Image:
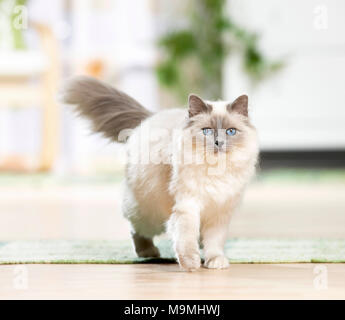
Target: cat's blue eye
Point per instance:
(231, 131)
(207, 131)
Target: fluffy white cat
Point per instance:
(187, 168)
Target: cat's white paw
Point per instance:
(151, 252)
(218, 262)
(190, 262)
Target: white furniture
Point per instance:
(29, 78)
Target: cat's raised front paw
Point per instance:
(190, 262)
(218, 262)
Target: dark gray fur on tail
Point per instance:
(110, 110)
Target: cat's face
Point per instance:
(220, 127)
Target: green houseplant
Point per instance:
(193, 57)
(10, 32)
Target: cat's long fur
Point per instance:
(110, 110)
(193, 200)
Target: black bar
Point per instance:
(315, 159)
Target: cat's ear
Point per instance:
(197, 105)
(240, 105)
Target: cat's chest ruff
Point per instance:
(215, 185)
(212, 186)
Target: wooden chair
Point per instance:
(17, 90)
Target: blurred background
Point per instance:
(59, 181)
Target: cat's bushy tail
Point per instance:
(110, 110)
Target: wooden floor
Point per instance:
(240, 281)
(84, 212)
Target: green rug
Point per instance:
(121, 252)
(281, 176)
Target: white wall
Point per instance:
(303, 107)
